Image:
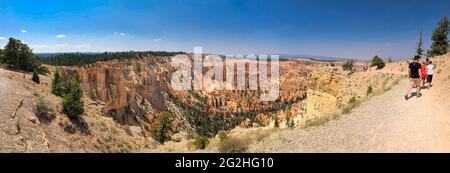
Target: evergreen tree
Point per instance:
(57, 84)
(35, 77)
(162, 130)
(348, 66)
(377, 61)
(277, 123)
(73, 101)
(19, 56)
(440, 39)
(369, 90)
(419, 51)
(1, 56)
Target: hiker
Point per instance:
(430, 68)
(423, 73)
(414, 76)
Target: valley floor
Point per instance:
(385, 123)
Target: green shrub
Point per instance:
(277, 123)
(378, 62)
(43, 108)
(352, 103)
(233, 145)
(163, 128)
(348, 66)
(369, 90)
(223, 135)
(35, 77)
(42, 70)
(201, 142)
(291, 123)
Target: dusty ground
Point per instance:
(19, 133)
(385, 123)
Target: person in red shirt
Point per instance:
(423, 73)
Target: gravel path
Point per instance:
(385, 123)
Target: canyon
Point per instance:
(123, 98)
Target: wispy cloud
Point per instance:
(2, 38)
(61, 36)
(23, 31)
(120, 33)
(157, 39)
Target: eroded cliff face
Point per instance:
(134, 91)
(331, 88)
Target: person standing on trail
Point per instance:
(423, 73)
(414, 77)
(430, 68)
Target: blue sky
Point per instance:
(339, 28)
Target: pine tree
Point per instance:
(35, 77)
(1, 56)
(277, 123)
(57, 84)
(161, 131)
(440, 39)
(73, 101)
(377, 61)
(19, 56)
(419, 51)
(348, 66)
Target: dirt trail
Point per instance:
(19, 133)
(385, 123)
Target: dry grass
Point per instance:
(233, 145)
(239, 142)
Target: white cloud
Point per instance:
(2, 38)
(157, 39)
(23, 31)
(61, 36)
(120, 33)
(62, 48)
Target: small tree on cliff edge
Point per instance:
(162, 130)
(348, 66)
(35, 77)
(377, 61)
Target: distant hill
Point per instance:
(311, 57)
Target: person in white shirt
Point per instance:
(430, 68)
